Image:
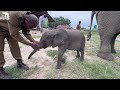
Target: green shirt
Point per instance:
(45, 23)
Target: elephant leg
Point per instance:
(113, 43)
(61, 51)
(78, 54)
(105, 48)
(82, 54)
(63, 60)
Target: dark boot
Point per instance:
(21, 65)
(4, 75)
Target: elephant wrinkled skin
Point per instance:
(109, 28)
(64, 39)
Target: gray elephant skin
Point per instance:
(64, 39)
(109, 28)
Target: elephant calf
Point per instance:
(64, 39)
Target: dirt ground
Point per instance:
(44, 63)
(40, 59)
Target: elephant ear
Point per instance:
(59, 38)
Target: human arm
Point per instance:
(14, 32)
(28, 35)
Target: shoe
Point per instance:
(21, 65)
(4, 75)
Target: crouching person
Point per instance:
(18, 20)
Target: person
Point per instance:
(78, 27)
(18, 21)
(43, 21)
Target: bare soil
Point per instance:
(40, 59)
(44, 63)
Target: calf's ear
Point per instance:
(58, 39)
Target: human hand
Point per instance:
(35, 46)
(36, 42)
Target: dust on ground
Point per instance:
(40, 59)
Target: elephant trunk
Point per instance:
(33, 52)
(89, 34)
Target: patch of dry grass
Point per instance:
(92, 68)
(43, 63)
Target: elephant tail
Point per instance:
(89, 33)
(33, 52)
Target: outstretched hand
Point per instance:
(35, 46)
(37, 42)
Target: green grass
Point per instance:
(92, 46)
(93, 68)
(18, 73)
(119, 36)
(85, 70)
(68, 71)
(101, 70)
(36, 36)
(52, 53)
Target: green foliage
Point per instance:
(52, 24)
(52, 53)
(92, 67)
(59, 21)
(18, 73)
(101, 70)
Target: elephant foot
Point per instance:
(113, 51)
(58, 66)
(81, 59)
(77, 56)
(63, 60)
(106, 56)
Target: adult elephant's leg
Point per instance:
(113, 43)
(105, 48)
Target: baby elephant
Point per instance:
(64, 39)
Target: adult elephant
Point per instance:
(109, 28)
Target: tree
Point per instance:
(59, 21)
